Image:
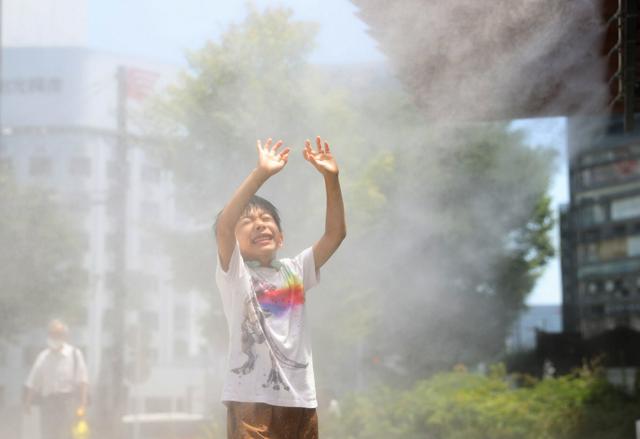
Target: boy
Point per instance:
(269, 384)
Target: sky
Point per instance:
(162, 30)
(550, 133)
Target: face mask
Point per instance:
(54, 343)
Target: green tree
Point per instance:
(41, 272)
(467, 234)
(448, 225)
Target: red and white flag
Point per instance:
(140, 83)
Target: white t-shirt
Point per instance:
(269, 357)
(53, 371)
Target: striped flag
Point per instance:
(140, 83)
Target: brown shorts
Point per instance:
(249, 420)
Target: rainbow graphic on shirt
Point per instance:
(279, 301)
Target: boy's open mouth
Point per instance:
(262, 239)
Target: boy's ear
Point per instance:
(281, 240)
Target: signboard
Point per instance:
(625, 208)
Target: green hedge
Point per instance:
(463, 405)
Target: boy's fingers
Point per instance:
(277, 145)
(326, 148)
(307, 154)
(268, 144)
(285, 152)
(319, 143)
(259, 144)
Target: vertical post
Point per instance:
(137, 397)
(1, 76)
(629, 48)
(120, 190)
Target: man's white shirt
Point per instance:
(53, 371)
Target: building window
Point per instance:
(108, 356)
(149, 320)
(592, 214)
(40, 166)
(108, 319)
(151, 245)
(150, 174)
(633, 246)
(80, 167)
(150, 210)
(591, 235)
(152, 355)
(6, 165)
(597, 310)
(115, 170)
(624, 208)
(608, 286)
(180, 349)
(619, 171)
(588, 253)
(180, 317)
(621, 288)
(610, 249)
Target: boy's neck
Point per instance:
(271, 262)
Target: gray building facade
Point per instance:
(600, 230)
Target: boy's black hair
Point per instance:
(260, 203)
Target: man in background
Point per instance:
(58, 382)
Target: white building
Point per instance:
(59, 118)
(44, 23)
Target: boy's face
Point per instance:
(258, 236)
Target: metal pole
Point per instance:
(629, 32)
(120, 190)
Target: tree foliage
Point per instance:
(41, 274)
(470, 220)
(448, 225)
(459, 404)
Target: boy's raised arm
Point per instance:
(270, 162)
(335, 225)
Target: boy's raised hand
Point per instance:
(269, 159)
(321, 157)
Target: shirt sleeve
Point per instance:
(34, 380)
(235, 272)
(82, 375)
(305, 262)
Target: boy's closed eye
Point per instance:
(244, 220)
(264, 218)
